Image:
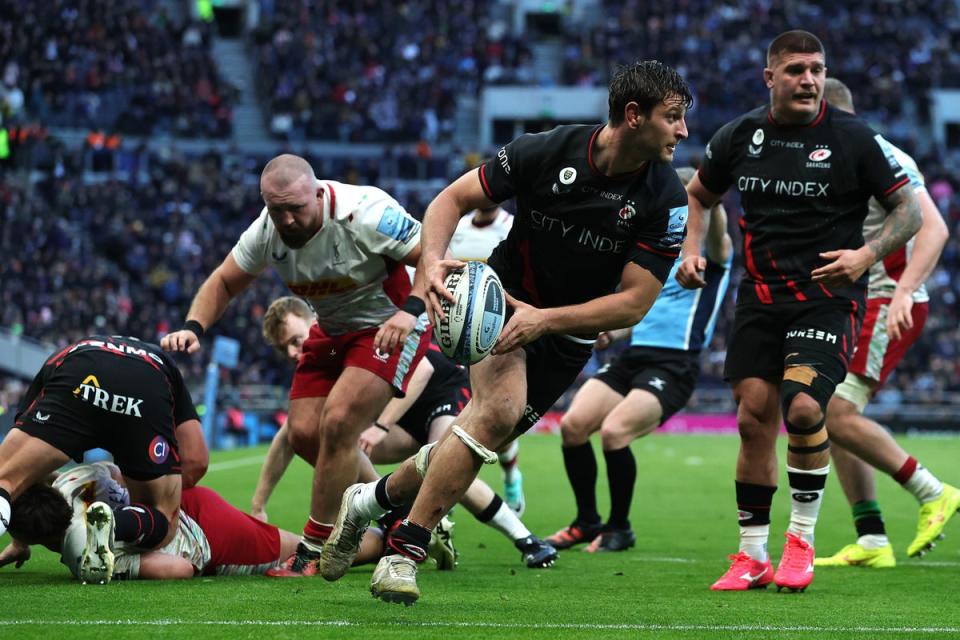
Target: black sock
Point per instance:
(142, 525)
(753, 503)
(621, 476)
(380, 493)
(868, 519)
(411, 540)
(388, 520)
(487, 514)
(581, 467)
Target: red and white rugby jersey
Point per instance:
(89, 483)
(476, 241)
(884, 274)
(350, 271)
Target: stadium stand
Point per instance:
(116, 236)
(120, 65)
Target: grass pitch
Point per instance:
(684, 516)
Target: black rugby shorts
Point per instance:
(97, 399)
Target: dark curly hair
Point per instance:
(39, 513)
(648, 83)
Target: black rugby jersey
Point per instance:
(130, 349)
(575, 228)
(804, 190)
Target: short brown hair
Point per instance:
(39, 513)
(796, 41)
(276, 315)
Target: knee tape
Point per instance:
(803, 378)
(422, 459)
(806, 442)
(486, 455)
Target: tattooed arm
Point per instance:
(903, 221)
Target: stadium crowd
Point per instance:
(119, 65)
(83, 257)
(884, 51)
(379, 72)
(81, 248)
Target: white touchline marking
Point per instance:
(239, 462)
(766, 628)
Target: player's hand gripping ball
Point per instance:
(475, 318)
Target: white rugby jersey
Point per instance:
(350, 271)
(884, 274)
(472, 241)
(89, 483)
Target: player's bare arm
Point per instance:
(927, 246)
(700, 202)
(439, 222)
(607, 338)
(275, 464)
(719, 245)
(395, 330)
(638, 291)
(847, 265)
(194, 455)
(16, 552)
(216, 292)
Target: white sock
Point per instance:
(873, 541)
(367, 502)
(310, 544)
(508, 461)
(506, 522)
(805, 501)
(924, 486)
(4, 511)
(753, 541)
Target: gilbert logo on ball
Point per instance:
(475, 318)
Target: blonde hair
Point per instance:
(276, 316)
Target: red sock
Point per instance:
(906, 471)
(316, 531)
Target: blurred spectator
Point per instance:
(379, 71)
(112, 64)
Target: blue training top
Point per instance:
(684, 319)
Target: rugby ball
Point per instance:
(474, 320)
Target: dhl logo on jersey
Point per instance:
(321, 288)
(90, 391)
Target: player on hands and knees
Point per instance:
(599, 195)
(343, 248)
(896, 312)
(639, 391)
(124, 395)
(805, 172)
(478, 233)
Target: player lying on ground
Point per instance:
(124, 395)
(213, 537)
